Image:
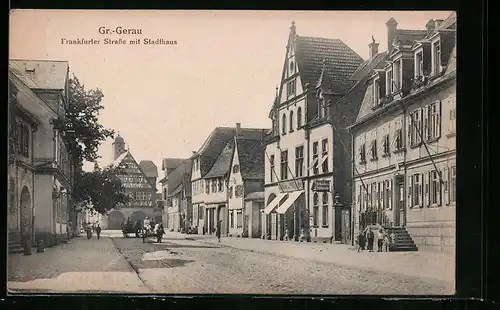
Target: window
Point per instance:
(419, 65)
(389, 85)
(299, 161)
(231, 218)
(299, 118)
(376, 92)
(236, 169)
(373, 149)
(291, 121)
(238, 191)
(415, 127)
(221, 188)
(324, 155)
(207, 186)
(374, 196)
(290, 88)
(436, 63)
(398, 139)
(453, 184)
(385, 145)
(200, 212)
(283, 125)
(362, 154)
(435, 193)
(325, 210)
(271, 161)
(453, 120)
(387, 194)
(231, 192)
(292, 67)
(416, 190)
(315, 157)
(397, 75)
(315, 209)
(434, 120)
(239, 219)
(284, 165)
(214, 185)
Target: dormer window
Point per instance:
(321, 104)
(373, 150)
(419, 65)
(388, 84)
(362, 154)
(397, 74)
(376, 92)
(436, 57)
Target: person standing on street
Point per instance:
(98, 230)
(217, 232)
(380, 240)
(370, 236)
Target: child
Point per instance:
(387, 242)
(361, 242)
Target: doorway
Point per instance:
(25, 204)
(338, 224)
(399, 210)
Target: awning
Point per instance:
(293, 196)
(273, 204)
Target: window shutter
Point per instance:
(419, 134)
(410, 126)
(358, 200)
(390, 194)
(425, 121)
(439, 183)
(421, 191)
(426, 183)
(446, 186)
(369, 196)
(409, 201)
(380, 193)
(438, 120)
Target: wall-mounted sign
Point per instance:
(291, 186)
(321, 186)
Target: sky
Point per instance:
(165, 100)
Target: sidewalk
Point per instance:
(82, 265)
(438, 266)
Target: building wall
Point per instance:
(45, 217)
(253, 209)
(431, 226)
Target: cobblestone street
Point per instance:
(198, 265)
(194, 266)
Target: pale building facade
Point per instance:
(404, 139)
(53, 180)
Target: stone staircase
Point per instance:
(15, 247)
(403, 241)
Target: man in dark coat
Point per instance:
(371, 238)
(217, 232)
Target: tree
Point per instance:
(83, 135)
(101, 188)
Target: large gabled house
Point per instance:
(203, 161)
(404, 140)
(307, 151)
(178, 207)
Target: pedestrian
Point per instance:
(217, 231)
(387, 242)
(392, 239)
(380, 240)
(361, 242)
(370, 236)
(98, 230)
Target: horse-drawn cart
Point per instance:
(130, 228)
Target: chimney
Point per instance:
(373, 48)
(430, 26)
(392, 29)
(238, 129)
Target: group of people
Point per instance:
(368, 237)
(89, 228)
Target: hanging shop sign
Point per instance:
(291, 186)
(321, 186)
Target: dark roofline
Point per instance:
(408, 99)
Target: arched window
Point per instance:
(291, 120)
(283, 125)
(315, 209)
(325, 209)
(292, 67)
(299, 117)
